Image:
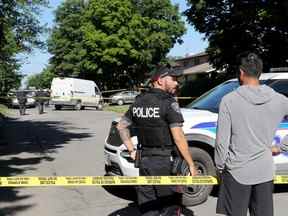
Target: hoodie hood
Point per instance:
(256, 95)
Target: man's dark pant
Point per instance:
(22, 108)
(235, 199)
(156, 200)
(40, 107)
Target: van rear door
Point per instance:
(61, 89)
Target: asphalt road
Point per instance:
(64, 143)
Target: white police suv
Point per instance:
(200, 129)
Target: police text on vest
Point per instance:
(147, 112)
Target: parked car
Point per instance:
(30, 94)
(76, 93)
(124, 97)
(200, 122)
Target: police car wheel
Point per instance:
(120, 102)
(197, 194)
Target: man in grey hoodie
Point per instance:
(247, 122)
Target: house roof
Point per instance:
(192, 56)
(201, 68)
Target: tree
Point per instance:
(42, 80)
(10, 78)
(115, 40)
(66, 41)
(19, 32)
(236, 26)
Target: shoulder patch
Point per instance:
(175, 107)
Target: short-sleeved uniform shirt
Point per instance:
(153, 114)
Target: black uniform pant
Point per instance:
(235, 199)
(157, 200)
(40, 105)
(22, 108)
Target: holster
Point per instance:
(138, 158)
(176, 166)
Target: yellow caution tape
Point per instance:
(183, 98)
(23, 181)
(33, 181)
(281, 179)
(114, 90)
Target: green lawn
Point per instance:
(116, 108)
(3, 110)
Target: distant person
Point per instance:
(47, 95)
(22, 100)
(247, 123)
(41, 98)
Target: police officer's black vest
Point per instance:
(40, 96)
(21, 97)
(149, 119)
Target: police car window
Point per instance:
(211, 100)
(280, 86)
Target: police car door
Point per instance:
(281, 161)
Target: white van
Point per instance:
(78, 93)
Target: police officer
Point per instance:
(158, 121)
(40, 100)
(22, 100)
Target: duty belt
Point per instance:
(157, 151)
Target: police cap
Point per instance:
(166, 70)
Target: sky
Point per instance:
(38, 59)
